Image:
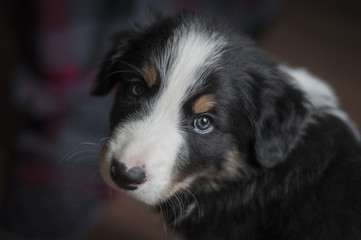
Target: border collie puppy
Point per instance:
(225, 142)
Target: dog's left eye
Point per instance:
(136, 89)
(203, 124)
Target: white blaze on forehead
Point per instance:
(155, 140)
(193, 53)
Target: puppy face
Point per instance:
(184, 112)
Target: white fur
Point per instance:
(155, 141)
(317, 92)
(320, 95)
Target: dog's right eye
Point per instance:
(136, 89)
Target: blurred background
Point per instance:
(52, 129)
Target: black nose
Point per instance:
(128, 179)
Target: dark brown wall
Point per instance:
(324, 37)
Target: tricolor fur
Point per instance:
(230, 145)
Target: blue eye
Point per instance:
(203, 124)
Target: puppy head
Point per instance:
(188, 109)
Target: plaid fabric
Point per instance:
(56, 190)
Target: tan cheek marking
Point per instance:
(104, 167)
(204, 103)
(102, 154)
(179, 186)
(234, 167)
(150, 74)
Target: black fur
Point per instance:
(302, 168)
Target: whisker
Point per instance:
(77, 160)
(163, 221)
(67, 159)
(90, 143)
(196, 201)
(180, 206)
(69, 153)
(175, 214)
(104, 139)
(126, 63)
(121, 71)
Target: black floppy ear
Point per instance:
(105, 80)
(281, 116)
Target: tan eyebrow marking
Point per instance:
(150, 74)
(204, 103)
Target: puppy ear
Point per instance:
(280, 120)
(106, 79)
